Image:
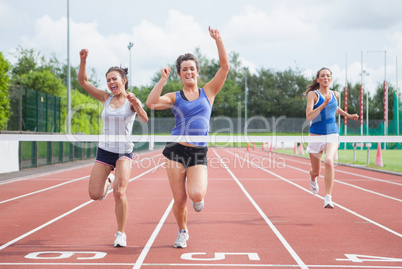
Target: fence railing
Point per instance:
(33, 110)
(39, 153)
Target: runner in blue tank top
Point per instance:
(320, 111)
(119, 110)
(192, 109)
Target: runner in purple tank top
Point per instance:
(192, 109)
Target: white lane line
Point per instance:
(341, 182)
(63, 215)
(42, 190)
(194, 265)
(342, 207)
(320, 266)
(58, 185)
(151, 240)
(13, 180)
(270, 224)
(354, 174)
(44, 225)
(366, 190)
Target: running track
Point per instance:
(259, 213)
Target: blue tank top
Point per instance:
(325, 122)
(192, 117)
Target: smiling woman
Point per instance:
(119, 111)
(192, 108)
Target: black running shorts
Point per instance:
(188, 156)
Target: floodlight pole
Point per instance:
(346, 97)
(245, 101)
(68, 123)
(362, 90)
(130, 45)
(367, 107)
(397, 96)
(361, 97)
(385, 95)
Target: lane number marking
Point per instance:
(218, 256)
(55, 255)
(366, 258)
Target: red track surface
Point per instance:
(259, 213)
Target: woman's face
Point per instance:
(188, 72)
(115, 83)
(324, 78)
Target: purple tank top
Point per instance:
(192, 117)
(325, 122)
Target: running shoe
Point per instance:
(181, 240)
(328, 202)
(314, 186)
(110, 178)
(198, 206)
(120, 239)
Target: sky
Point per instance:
(271, 34)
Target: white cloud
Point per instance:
(11, 17)
(270, 34)
(250, 65)
(395, 47)
(370, 14)
(49, 35)
(180, 34)
(154, 46)
(282, 28)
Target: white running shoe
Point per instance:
(110, 177)
(120, 239)
(181, 240)
(198, 206)
(328, 202)
(314, 186)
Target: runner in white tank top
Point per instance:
(118, 116)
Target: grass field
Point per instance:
(392, 159)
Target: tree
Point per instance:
(376, 111)
(291, 86)
(60, 71)
(274, 94)
(86, 112)
(33, 71)
(354, 99)
(236, 72)
(27, 61)
(227, 101)
(43, 81)
(5, 67)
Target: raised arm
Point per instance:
(155, 100)
(213, 87)
(84, 82)
(136, 106)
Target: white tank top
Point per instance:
(117, 122)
